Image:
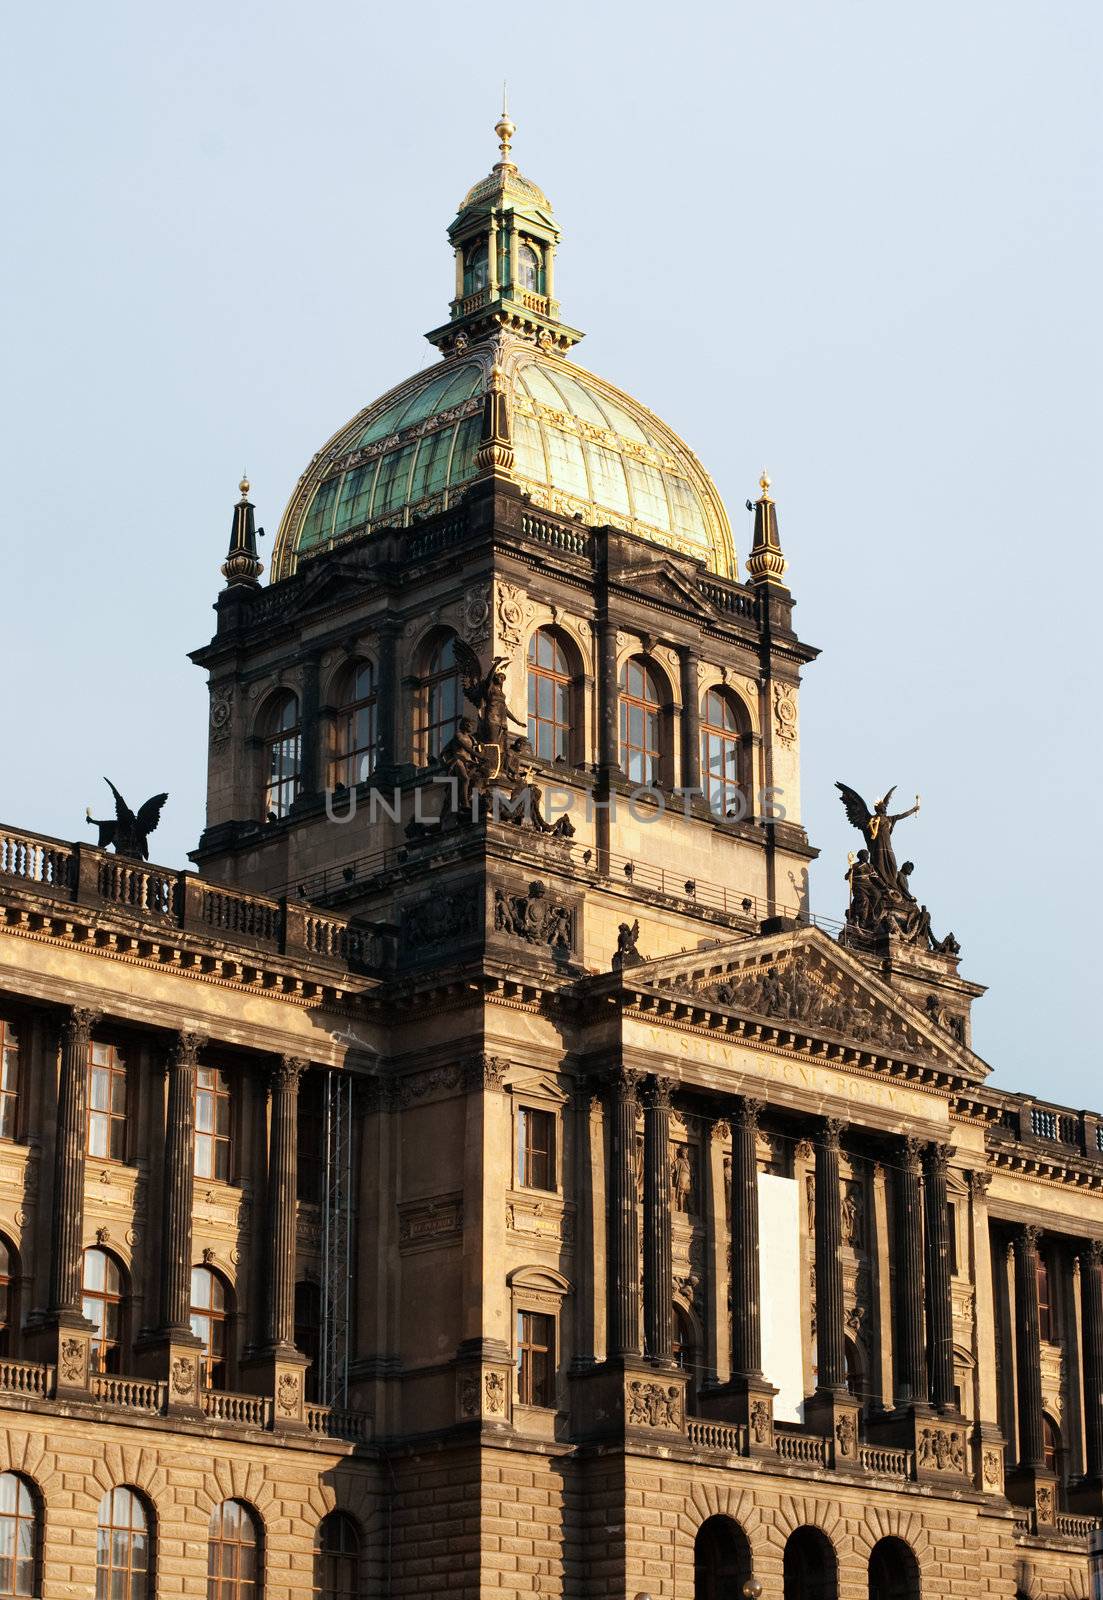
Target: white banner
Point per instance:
(779, 1293)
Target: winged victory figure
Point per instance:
(127, 832)
(876, 828)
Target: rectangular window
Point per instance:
(535, 1359)
(213, 1124)
(535, 1149)
(106, 1102)
(9, 1079)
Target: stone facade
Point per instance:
(410, 1165)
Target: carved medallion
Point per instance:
(287, 1392)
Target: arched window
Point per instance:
(1045, 1300)
(9, 1277)
(893, 1571)
(337, 1558)
(476, 268)
(282, 755)
(124, 1565)
(1051, 1444)
(811, 1570)
(722, 763)
(308, 1332)
(9, 1079)
(213, 1124)
(20, 1536)
(685, 1354)
(528, 269)
(641, 723)
(549, 677)
(442, 698)
(234, 1553)
(103, 1302)
(210, 1310)
(355, 737)
(106, 1101)
(721, 1560)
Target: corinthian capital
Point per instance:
(287, 1071)
(936, 1159)
(185, 1047)
(658, 1092)
(77, 1025)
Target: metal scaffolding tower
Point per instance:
(337, 1243)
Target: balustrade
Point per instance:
(725, 1437)
(130, 1394)
(33, 1378)
(248, 1410)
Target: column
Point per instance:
(986, 1332)
(911, 1360)
(608, 701)
(940, 1311)
(69, 1154)
(176, 1195)
(312, 776)
(459, 273)
(623, 1281)
(282, 1197)
(549, 271)
(746, 1353)
(717, 1164)
(691, 721)
(658, 1269)
(1091, 1309)
(492, 256)
(386, 758)
(830, 1339)
(1032, 1454)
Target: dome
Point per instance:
(581, 447)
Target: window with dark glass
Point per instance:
(549, 680)
(311, 1138)
(8, 1276)
(9, 1079)
(308, 1332)
(337, 1558)
(1051, 1442)
(528, 269)
(282, 756)
(124, 1569)
(535, 1148)
(213, 1124)
(535, 1358)
(209, 1313)
(106, 1102)
(476, 268)
(102, 1303)
(442, 698)
(640, 724)
(721, 747)
(19, 1536)
(233, 1554)
(355, 742)
(1045, 1301)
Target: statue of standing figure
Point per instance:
(881, 899)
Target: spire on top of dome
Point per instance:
(241, 566)
(504, 237)
(765, 564)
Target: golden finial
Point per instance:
(764, 484)
(505, 129)
(244, 485)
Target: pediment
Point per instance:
(802, 984)
(664, 581)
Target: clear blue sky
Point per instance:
(859, 243)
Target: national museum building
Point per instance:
(479, 1173)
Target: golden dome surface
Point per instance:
(581, 448)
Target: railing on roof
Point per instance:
(1036, 1123)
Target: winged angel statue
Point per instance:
(881, 899)
(127, 832)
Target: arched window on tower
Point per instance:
(337, 1558)
(103, 1302)
(355, 734)
(442, 698)
(550, 684)
(724, 733)
(528, 269)
(282, 742)
(476, 268)
(641, 723)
